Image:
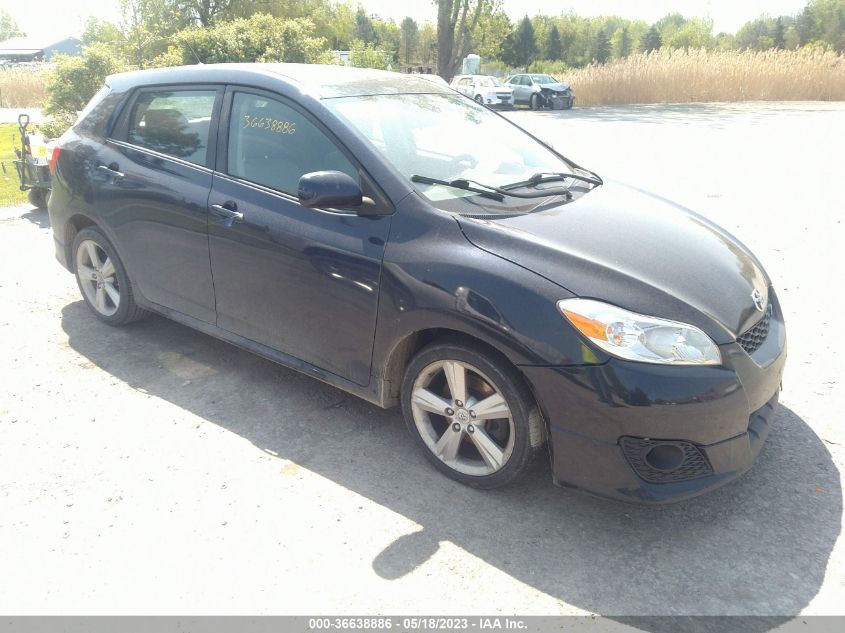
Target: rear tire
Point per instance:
(102, 279)
(494, 429)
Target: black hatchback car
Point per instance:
(401, 242)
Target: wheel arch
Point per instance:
(72, 227)
(406, 347)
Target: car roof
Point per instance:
(320, 80)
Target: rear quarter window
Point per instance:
(96, 115)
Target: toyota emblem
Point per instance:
(757, 298)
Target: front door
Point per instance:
(301, 281)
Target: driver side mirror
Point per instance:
(332, 189)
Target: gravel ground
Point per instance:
(154, 470)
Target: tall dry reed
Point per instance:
(678, 76)
(23, 87)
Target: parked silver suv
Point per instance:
(540, 91)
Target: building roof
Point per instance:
(26, 45)
(321, 80)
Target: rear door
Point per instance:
(298, 280)
(153, 181)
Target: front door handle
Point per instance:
(228, 212)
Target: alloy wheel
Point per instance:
(462, 417)
(97, 277)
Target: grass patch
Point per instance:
(9, 183)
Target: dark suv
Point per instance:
(401, 242)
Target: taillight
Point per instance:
(54, 159)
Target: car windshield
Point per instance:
(446, 137)
(544, 79)
(488, 82)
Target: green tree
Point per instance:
(259, 38)
(668, 25)
(146, 26)
(342, 26)
(427, 44)
(366, 55)
(553, 48)
(603, 49)
(203, 12)
(693, 33)
(75, 79)
(829, 17)
(364, 29)
(620, 42)
(521, 45)
(779, 34)
(652, 40)
(388, 37)
(805, 26)
(490, 33)
(410, 33)
(102, 32)
(8, 26)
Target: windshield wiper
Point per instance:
(544, 176)
(488, 191)
(460, 183)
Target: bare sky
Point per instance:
(58, 18)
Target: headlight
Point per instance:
(638, 337)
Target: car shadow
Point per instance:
(38, 217)
(758, 546)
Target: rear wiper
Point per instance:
(459, 183)
(544, 176)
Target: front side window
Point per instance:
(173, 122)
(273, 144)
(447, 137)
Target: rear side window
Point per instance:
(273, 144)
(173, 122)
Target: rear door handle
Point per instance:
(112, 170)
(228, 212)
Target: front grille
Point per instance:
(693, 465)
(753, 337)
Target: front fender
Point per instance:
(434, 278)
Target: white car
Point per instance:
(437, 79)
(485, 89)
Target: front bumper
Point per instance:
(605, 419)
(495, 101)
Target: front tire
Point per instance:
(471, 414)
(479, 99)
(534, 103)
(102, 279)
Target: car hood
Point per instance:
(495, 89)
(637, 251)
(558, 87)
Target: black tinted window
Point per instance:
(172, 122)
(273, 144)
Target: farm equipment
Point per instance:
(33, 164)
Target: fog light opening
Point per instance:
(665, 457)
